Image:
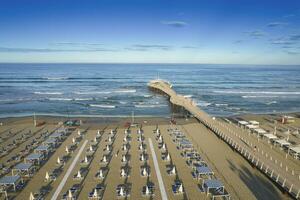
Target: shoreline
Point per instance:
(135, 116)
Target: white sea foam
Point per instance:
(257, 92)
(55, 78)
(83, 99)
(203, 104)
(149, 106)
(271, 102)
(105, 92)
(188, 96)
(49, 93)
(102, 106)
(255, 96)
(93, 92)
(125, 91)
(60, 99)
(221, 104)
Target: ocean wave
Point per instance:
(149, 106)
(125, 91)
(94, 92)
(105, 92)
(49, 93)
(83, 99)
(55, 78)
(61, 99)
(188, 96)
(255, 92)
(203, 104)
(123, 102)
(271, 102)
(147, 96)
(255, 96)
(221, 104)
(102, 106)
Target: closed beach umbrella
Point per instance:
(147, 190)
(100, 173)
(168, 157)
(58, 160)
(173, 170)
(78, 174)
(123, 172)
(104, 159)
(95, 194)
(122, 191)
(70, 196)
(144, 172)
(142, 157)
(180, 189)
(31, 197)
(47, 176)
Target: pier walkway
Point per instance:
(283, 171)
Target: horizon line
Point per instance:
(150, 63)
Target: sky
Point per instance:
(150, 31)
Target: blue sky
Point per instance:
(150, 31)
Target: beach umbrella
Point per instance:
(111, 131)
(147, 190)
(109, 139)
(107, 147)
(78, 174)
(67, 149)
(168, 157)
(31, 197)
(173, 171)
(85, 159)
(104, 158)
(180, 188)
(91, 148)
(142, 157)
(163, 146)
(79, 133)
(144, 171)
(100, 173)
(95, 139)
(141, 147)
(125, 139)
(95, 194)
(73, 140)
(160, 137)
(124, 147)
(70, 196)
(122, 191)
(123, 173)
(47, 176)
(58, 160)
(123, 158)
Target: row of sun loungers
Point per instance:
(200, 169)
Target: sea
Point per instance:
(120, 90)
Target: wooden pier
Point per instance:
(284, 172)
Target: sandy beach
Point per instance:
(240, 179)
